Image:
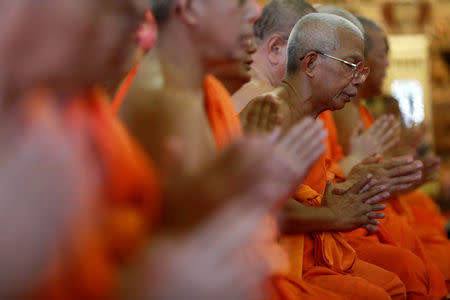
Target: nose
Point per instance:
(252, 47)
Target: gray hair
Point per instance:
(334, 10)
(316, 31)
(280, 16)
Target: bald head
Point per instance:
(334, 10)
(318, 32)
(369, 27)
(280, 16)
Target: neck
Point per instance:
(297, 94)
(261, 69)
(176, 50)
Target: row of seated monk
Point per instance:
(208, 149)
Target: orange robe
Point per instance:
(226, 127)
(88, 266)
(325, 258)
(403, 262)
(421, 213)
(123, 90)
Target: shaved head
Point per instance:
(280, 16)
(334, 10)
(161, 10)
(369, 26)
(316, 31)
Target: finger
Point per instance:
(405, 169)
(372, 159)
(253, 114)
(392, 143)
(376, 126)
(371, 227)
(378, 198)
(400, 187)
(389, 134)
(357, 187)
(371, 193)
(328, 190)
(376, 215)
(368, 186)
(302, 148)
(299, 131)
(266, 110)
(274, 135)
(410, 178)
(397, 161)
(378, 207)
(383, 128)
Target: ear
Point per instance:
(275, 46)
(186, 10)
(309, 63)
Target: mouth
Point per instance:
(348, 98)
(247, 63)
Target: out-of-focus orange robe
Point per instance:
(88, 265)
(226, 127)
(123, 90)
(420, 211)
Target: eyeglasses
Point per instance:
(360, 71)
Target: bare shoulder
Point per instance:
(249, 91)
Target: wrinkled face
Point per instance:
(336, 85)
(219, 29)
(377, 60)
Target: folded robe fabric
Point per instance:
(394, 231)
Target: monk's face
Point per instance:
(43, 38)
(114, 36)
(219, 26)
(377, 60)
(238, 70)
(335, 85)
(65, 43)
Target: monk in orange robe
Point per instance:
(226, 128)
(423, 205)
(170, 99)
(323, 258)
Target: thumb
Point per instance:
(327, 193)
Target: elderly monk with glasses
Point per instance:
(324, 69)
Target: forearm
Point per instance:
(298, 218)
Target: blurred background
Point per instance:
(419, 73)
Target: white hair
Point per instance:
(316, 31)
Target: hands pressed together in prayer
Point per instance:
(356, 205)
(379, 138)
